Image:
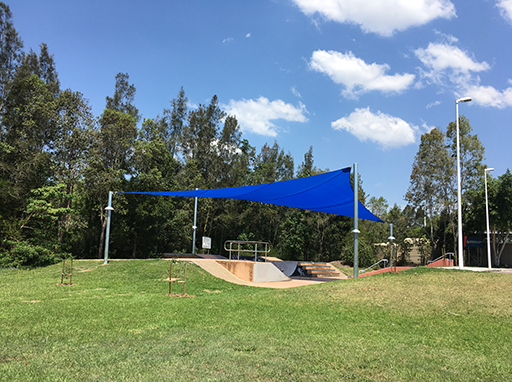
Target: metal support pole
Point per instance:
(391, 238)
(107, 235)
(356, 231)
(460, 248)
(194, 227)
(489, 261)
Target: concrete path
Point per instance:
(482, 269)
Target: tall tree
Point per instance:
(109, 163)
(47, 70)
(430, 187)
(307, 167)
(471, 162)
(75, 133)
(273, 165)
(10, 50)
(471, 153)
(30, 125)
(174, 121)
(433, 178)
(200, 139)
(155, 224)
(500, 213)
(124, 97)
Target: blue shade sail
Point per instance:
(330, 192)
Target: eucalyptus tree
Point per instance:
(264, 221)
(272, 165)
(109, 164)
(124, 97)
(155, 224)
(30, 126)
(307, 167)
(174, 120)
(76, 131)
(199, 139)
(304, 232)
(500, 213)
(47, 69)
(471, 153)
(232, 168)
(471, 162)
(109, 161)
(503, 216)
(431, 185)
(28, 113)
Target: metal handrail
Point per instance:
(371, 266)
(441, 257)
(267, 245)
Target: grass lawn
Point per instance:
(116, 323)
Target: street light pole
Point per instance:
(194, 227)
(489, 263)
(391, 238)
(356, 231)
(460, 249)
(109, 210)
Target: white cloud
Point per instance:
(383, 17)
(192, 105)
(386, 130)
(450, 67)
(427, 128)
(295, 92)
(505, 7)
(227, 40)
(357, 76)
(445, 38)
(432, 104)
(248, 35)
(440, 57)
(488, 96)
(257, 115)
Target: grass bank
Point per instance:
(116, 323)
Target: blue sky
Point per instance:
(360, 81)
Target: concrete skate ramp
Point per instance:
(287, 267)
(217, 270)
(255, 272)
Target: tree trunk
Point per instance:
(135, 240)
(431, 235)
(500, 252)
(101, 246)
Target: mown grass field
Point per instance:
(116, 323)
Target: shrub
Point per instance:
(23, 254)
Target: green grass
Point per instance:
(116, 323)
